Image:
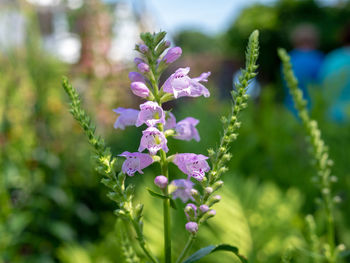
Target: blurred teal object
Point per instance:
(335, 75)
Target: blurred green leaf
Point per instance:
(152, 193)
(211, 249)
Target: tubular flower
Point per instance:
(183, 189)
(151, 114)
(127, 117)
(194, 165)
(170, 121)
(181, 85)
(135, 162)
(153, 140)
(186, 129)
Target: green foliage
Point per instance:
(319, 151)
(105, 165)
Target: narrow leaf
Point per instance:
(160, 196)
(211, 249)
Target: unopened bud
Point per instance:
(140, 89)
(135, 76)
(334, 179)
(192, 227)
(138, 212)
(143, 67)
(190, 211)
(143, 49)
(161, 181)
(138, 61)
(208, 190)
(336, 199)
(217, 185)
(204, 208)
(215, 199)
(172, 55)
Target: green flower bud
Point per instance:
(138, 212)
(213, 200)
(217, 185)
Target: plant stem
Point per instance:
(141, 241)
(188, 246)
(166, 210)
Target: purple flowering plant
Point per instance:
(199, 176)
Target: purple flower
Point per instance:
(143, 67)
(204, 208)
(194, 165)
(127, 117)
(138, 61)
(203, 77)
(135, 162)
(173, 54)
(182, 85)
(183, 189)
(186, 129)
(161, 181)
(151, 114)
(192, 227)
(135, 76)
(143, 48)
(170, 121)
(139, 89)
(190, 211)
(153, 140)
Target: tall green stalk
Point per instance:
(319, 151)
(105, 165)
(220, 156)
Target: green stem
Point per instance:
(141, 241)
(187, 247)
(166, 210)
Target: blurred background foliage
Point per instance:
(52, 206)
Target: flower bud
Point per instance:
(138, 61)
(190, 211)
(192, 227)
(215, 199)
(208, 215)
(139, 89)
(138, 211)
(217, 185)
(204, 208)
(143, 49)
(195, 195)
(143, 67)
(167, 43)
(162, 47)
(172, 55)
(208, 190)
(120, 213)
(135, 76)
(161, 181)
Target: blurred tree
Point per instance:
(194, 42)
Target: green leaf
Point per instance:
(211, 249)
(152, 193)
